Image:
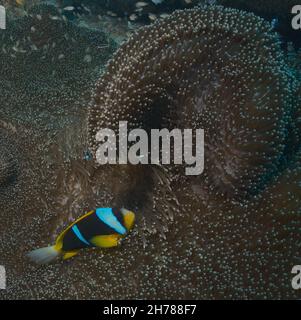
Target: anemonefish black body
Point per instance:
(102, 228)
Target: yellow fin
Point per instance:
(105, 241)
(20, 2)
(128, 219)
(70, 254)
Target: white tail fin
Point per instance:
(43, 255)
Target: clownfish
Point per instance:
(101, 228)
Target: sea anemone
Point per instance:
(7, 167)
(60, 51)
(213, 68)
(278, 12)
(8, 162)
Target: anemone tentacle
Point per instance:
(212, 68)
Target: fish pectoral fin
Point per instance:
(69, 255)
(105, 241)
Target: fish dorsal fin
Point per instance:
(105, 241)
(59, 239)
